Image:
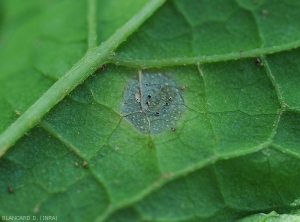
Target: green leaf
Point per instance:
(271, 217)
(217, 140)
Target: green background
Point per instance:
(235, 152)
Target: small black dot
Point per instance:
(259, 62)
(149, 96)
(147, 103)
(157, 113)
(102, 67)
(147, 84)
(170, 98)
(167, 104)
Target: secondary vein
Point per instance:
(143, 64)
(92, 24)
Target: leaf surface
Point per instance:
(232, 153)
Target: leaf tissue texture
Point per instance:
(195, 117)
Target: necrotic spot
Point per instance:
(165, 108)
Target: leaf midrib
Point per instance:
(94, 58)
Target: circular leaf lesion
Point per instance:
(153, 103)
